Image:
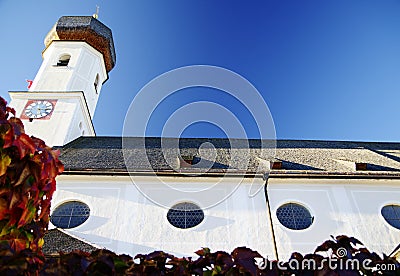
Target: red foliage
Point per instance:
(28, 168)
(242, 261)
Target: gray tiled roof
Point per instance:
(105, 154)
(56, 241)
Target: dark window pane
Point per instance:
(70, 214)
(294, 216)
(391, 213)
(185, 215)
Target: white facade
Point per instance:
(125, 221)
(349, 207)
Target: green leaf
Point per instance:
(5, 161)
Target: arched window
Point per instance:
(294, 216)
(391, 213)
(70, 214)
(185, 215)
(64, 60)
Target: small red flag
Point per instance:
(29, 83)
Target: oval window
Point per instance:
(70, 214)
(185, 215)
(391, 213)
(294, 216)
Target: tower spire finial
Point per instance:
(96, 15)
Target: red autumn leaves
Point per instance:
(28, 168)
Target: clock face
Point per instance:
(38, 109)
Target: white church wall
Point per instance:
(67, 121)
(125, 221)
(79, 126)
(340, 207)
(80, 74)
(51, 77)
(89, 64)
(372, 227)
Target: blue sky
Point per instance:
(328, 70)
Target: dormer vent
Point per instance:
(361, 166)
(276, 165)
(186, 161)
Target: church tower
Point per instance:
(61, 101)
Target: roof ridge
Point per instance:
(235, 138)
